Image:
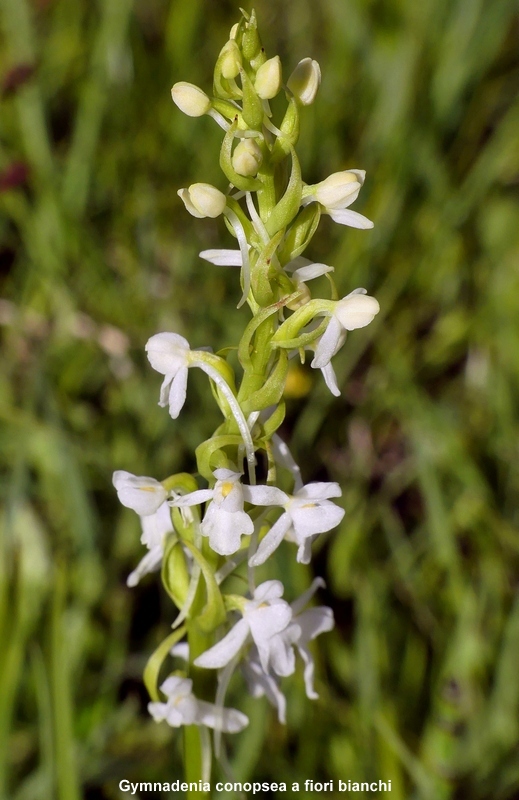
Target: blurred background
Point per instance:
(419, 682)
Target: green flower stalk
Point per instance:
(200, 534)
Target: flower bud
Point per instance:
(305, 81)
(190, 99)
(268, 79)
(247, 157)
(230, 60)
(340, 189)
(356, 311)
(203, 200)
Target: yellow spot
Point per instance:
(309, 505)
(147, 488)
(227, 488)
(298, 382)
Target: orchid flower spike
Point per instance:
(336, 193)
(356, 310)
(307, 513)
(183, 708)
(264, 617)
(225, 521)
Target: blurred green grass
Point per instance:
(419, 681)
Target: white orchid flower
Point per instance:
(261, 684)
(307, 513)
(264, 617)
(183, 708)
(143, 495)
(356, 310)
(155, 528)
(225, 520)
(171, 355)
(336, 193)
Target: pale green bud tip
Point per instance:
(190, 99)
(230, 60)
(305, 81)
(247, 157)
(268, 79)
(340, 189)
(203, 200)
(234, 31)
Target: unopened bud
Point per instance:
(268, 79)
(230, 60)
(247, 157)
(356, 311)
(190, 99)
(203, 200)
(340, 189)
(305, 81)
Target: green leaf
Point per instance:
(300, 234)
(213, 613)
(286, 209)
(175, 576)
(155, 661)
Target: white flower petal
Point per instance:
(225, 529)
(264, 495)
(176, 687)
(271, 541)
(158, 711)
(168, 352)
(222, 258)
(330, 379)
(304, 551)
(282, 658)
(315, 518)
(311, 271)
(228, 720)
(314, 621)
(156, 526)
(268, 591)
(177, 393)
(262, 684)
(150, 563)
(193, 498)
(309, 670)
(142, 494)
(327, 345)
(266, 621)
(344, 216)
(226, 649)
(320, 490)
